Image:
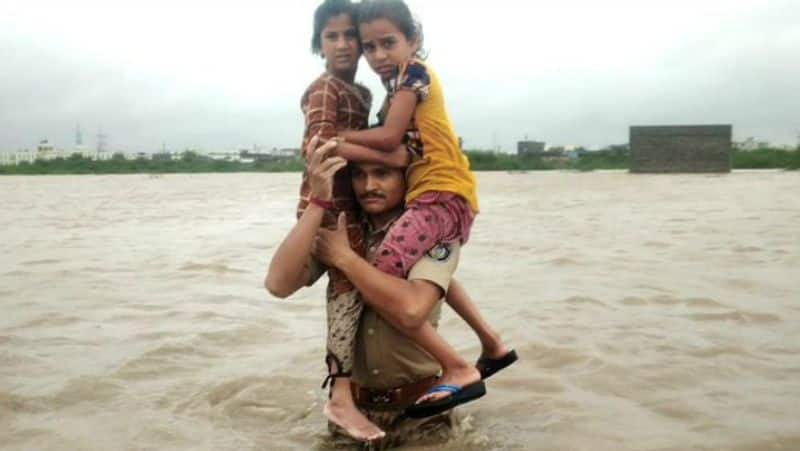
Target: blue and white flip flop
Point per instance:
(457, 396)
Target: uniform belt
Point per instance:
(393, 398)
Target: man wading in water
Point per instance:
(390, 371)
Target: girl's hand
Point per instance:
(322, 167)
(399, 157)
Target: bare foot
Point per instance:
(347, 416)
(494, 350)
(460, 377)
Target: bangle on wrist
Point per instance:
(324, 204)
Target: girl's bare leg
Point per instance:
(455, 370)
(492, 345)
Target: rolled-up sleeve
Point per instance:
(415, 78)
(320, 108)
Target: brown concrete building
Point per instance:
(530, 148)
(682, 148)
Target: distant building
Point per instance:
(103, 156)
(136, 156)
(288, 153)
(249, 156)
(46, 151)
(224, 156)
(162, 156)
(43, 151)
(750, 144)
(530, 148)
(683, 148)
(28, 156)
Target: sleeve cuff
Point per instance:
(437, 266)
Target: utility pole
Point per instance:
(102, 141)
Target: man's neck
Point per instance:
(380, 220)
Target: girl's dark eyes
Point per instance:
(349, 34)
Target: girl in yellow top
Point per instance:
(441, 200)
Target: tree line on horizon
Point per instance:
(614, 157)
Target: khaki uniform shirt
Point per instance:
(384, 356)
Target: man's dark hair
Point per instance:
(396, 12)
(324, 13)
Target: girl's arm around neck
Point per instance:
(390, 135)
(397, 158)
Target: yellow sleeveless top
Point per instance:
(439, 163)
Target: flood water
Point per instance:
(651, 312)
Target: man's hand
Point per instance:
(332, 246)
(322, 167)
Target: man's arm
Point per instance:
(406, 304)
(288, 270)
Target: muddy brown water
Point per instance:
(651, 312)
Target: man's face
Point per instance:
(378, 189)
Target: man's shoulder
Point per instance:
(442, 253)
(437, 265)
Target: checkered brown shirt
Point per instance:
(330, 106)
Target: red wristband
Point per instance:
(324, 204)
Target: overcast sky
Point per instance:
(225, 75)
